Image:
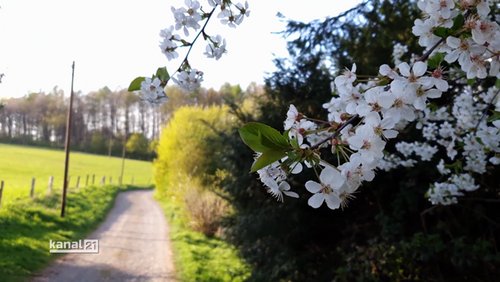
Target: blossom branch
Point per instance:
(426, 55)
(185, 60)
(336, 133)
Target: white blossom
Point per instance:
(189, 80)
(152, 91)
(167, 45)
(216, 47)
(331, 181)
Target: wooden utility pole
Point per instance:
(1, 192)
(32, 191)
(67, 143)
(50, 186)
(123, 156)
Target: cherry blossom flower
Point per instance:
(189, 80)
(436, 79)
(385, 70)
(484, 31)
(375, 100)
(216, 47)
(167, 45)
(381, 127)
(152, 91)
(292, 116)
(344, 82)
(369, 145)
(244, 12)
(282, 189)
(425, 31)
(400, 109)
(331, 181)
(187, 18)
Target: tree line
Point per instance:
(103, 120)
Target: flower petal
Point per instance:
(433, 93)
(284, 186)
(331, 177)
(297, 168)
(386, 100)
(316, 200)
(390, 133)
(332, 201)
(404, 69)
(313, 186)
(328, 174)
(419, 68)
(442, 84)
(291, 194)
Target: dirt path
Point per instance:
(133, 246)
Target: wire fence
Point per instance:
(75, 182)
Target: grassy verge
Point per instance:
(198, 257)
(26, 226)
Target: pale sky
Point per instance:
(114, 41)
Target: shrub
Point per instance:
(184, 150)
(187, 165)
(206, 211)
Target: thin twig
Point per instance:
(336, 133)
(194, 40)
(485, 112)
(426, 55)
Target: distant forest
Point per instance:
(103, 121)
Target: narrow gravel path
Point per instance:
(133, 246)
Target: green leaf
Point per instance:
(262, 138)
(136, 84)
(497, 83)
(435, 60)
(458, 22)
(266, 159)
(471, 81)
(494, 117)
(442, 32)
(162, 74)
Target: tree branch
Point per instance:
(202, 30)
(336, 133)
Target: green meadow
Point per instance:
(19, 164)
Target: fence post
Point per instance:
(93, 179)
(1, 192)
(87, 181)
(120, 181)
(111, 180)
(32, 191)
(51, 184)
(78, 182)
(103, 180)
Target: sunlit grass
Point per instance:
(19, 164)
(198, 257)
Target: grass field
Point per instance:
(19, 164)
